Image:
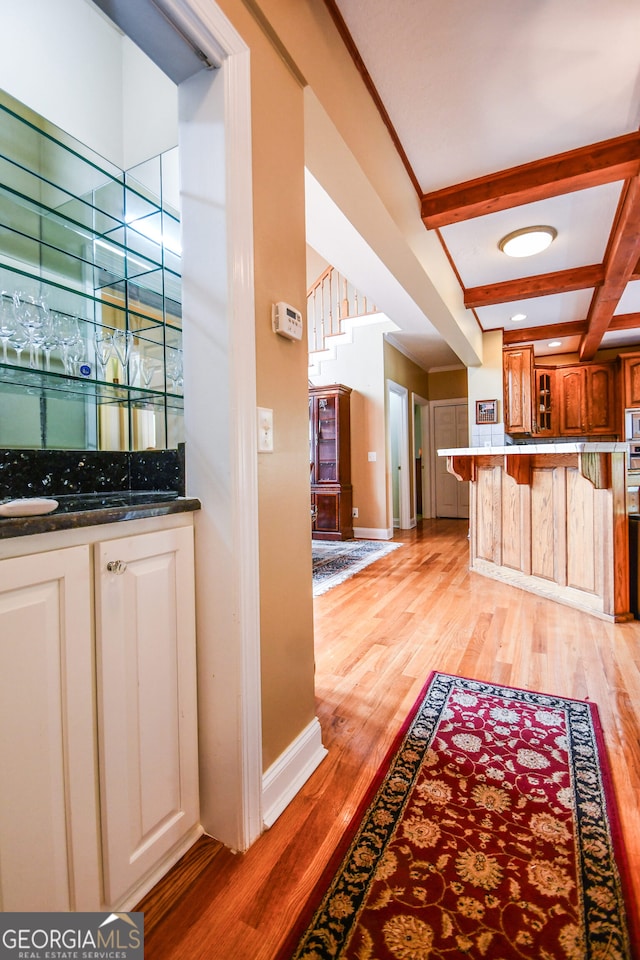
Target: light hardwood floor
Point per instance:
(377, 638)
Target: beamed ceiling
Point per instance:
(514, 113)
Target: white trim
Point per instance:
(425, 446)
(404, 488)
(228, 631)
(373, 533)
(284, 778)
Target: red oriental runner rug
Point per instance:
(490, 833)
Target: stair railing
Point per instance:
(330, 301)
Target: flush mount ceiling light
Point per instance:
(555, 343)
(518, 316)
(526, 242)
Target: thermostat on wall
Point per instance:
(287, 321)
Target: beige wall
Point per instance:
(286, 610)
(402, 370)
(448, 384)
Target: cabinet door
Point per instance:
(631, 381)
(570, 387)
(601, 393)
(518, 378)
(146, 702)
(544, 415)
(49, 837)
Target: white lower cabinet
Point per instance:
(49, 851)
(147, 723)
(98, 735)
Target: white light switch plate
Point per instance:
(265, 430)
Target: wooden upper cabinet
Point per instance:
(631, 370)
(544, 411)
(518, 383)
(570, 388)
(600, 393)
(586, 398)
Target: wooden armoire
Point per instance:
(330, 461)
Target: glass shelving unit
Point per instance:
(96, 250)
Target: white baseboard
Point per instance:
(284, 778)
(372, 533)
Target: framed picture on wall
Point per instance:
(486, 411)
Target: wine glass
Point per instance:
(18, 341)
(68, 335)
(50, 340)
(31, 313)
(76, 355)
(148, 369)
(174, 367)
(103, 339)
(122, 343)
(7, 322)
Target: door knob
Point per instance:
(116, 566)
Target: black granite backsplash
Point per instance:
(51, 473)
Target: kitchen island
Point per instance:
(551, 518)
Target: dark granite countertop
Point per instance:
(92, 487)
(85, 510)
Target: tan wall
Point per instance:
(286, 609)
(448, 384)
(400, 369)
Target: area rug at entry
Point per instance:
(491, 833)
(336, 561)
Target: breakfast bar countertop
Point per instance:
(537, 448)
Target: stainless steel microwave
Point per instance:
(632, 424)
(634, 456)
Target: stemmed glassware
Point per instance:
(148, 369)
(7, 322)
(122, 343)
(18, 341)
(174, 367)
(50, 340)
(103, 339)
(32, 314)
(68, 335)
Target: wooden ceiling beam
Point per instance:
(619, 266)
(591, 166)
(625, 321)
(542, 285)
(552, 331)
(573, 328)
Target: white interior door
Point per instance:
(450, 429)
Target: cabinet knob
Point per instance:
(116, 566)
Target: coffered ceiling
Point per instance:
(509, 114)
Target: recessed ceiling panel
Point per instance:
(472, 87)
(630, 300)
(473, 244)
(538, 311)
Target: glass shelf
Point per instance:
(102, 391)
(101, 249)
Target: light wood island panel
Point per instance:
(551, 519)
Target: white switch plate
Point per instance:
(265, 430)
(372, 456)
